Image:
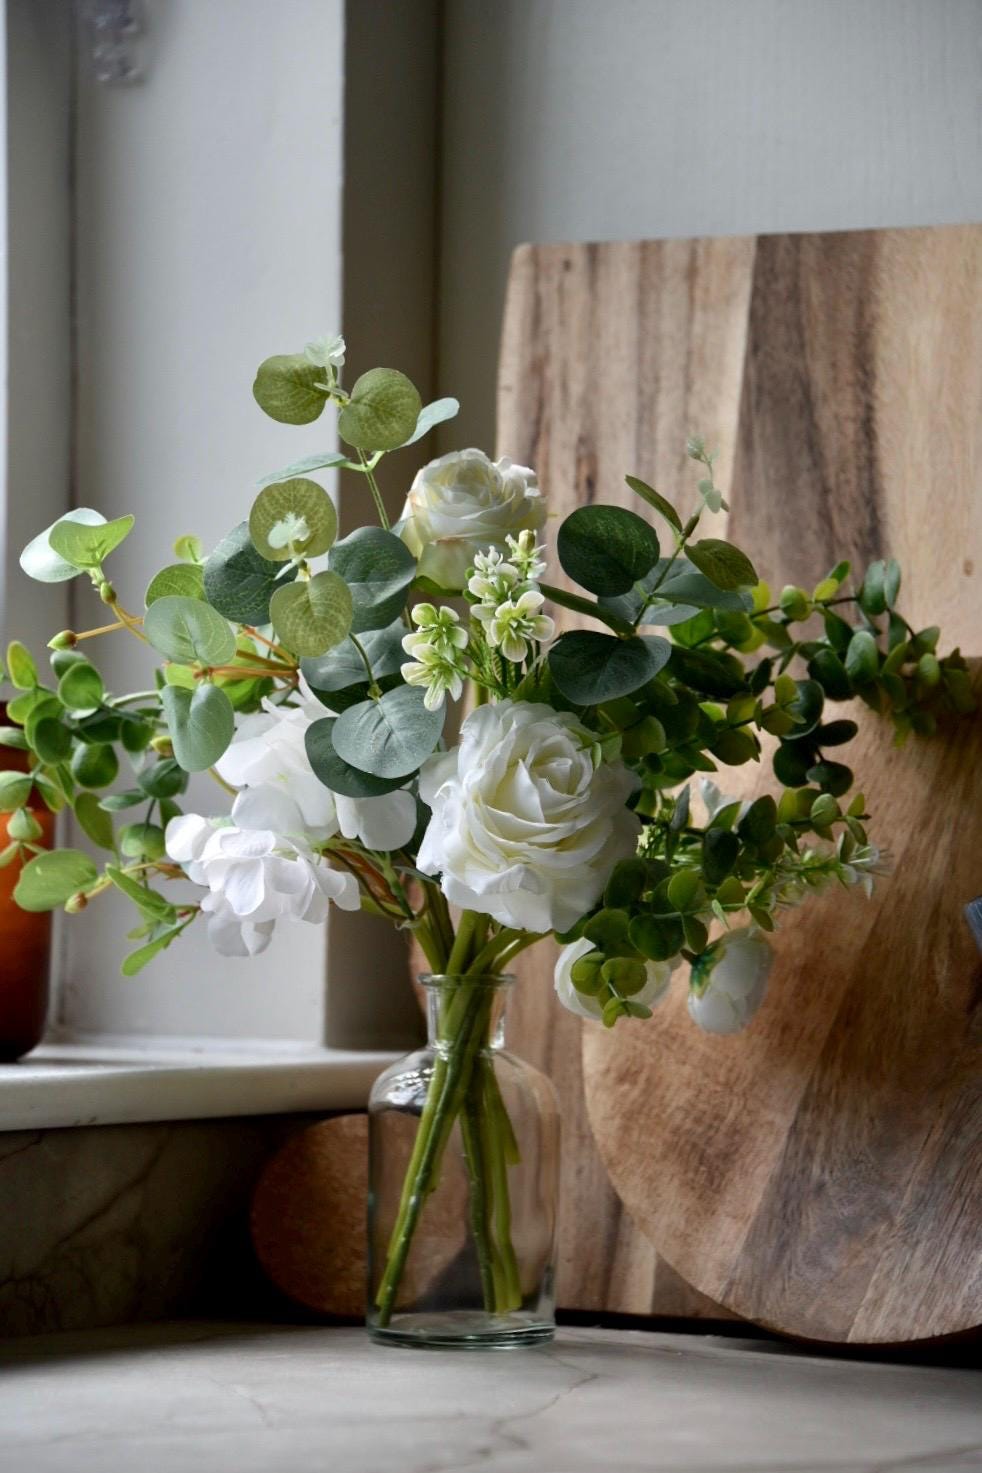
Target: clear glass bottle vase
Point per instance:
(464, 1174)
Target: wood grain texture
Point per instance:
(840, 378)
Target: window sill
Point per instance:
(65, 1084)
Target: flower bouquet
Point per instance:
(311, 676)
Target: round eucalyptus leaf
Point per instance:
(93, 820)
(81, 688)
(183, 580)
(321, 461)
(87, 546)
(238, 582)
(21, 669)
(389, 737)
(15, 789)
(48, 880)
(710, 672)
(606, 549)
(338, 775)
(722, 563)
(589, 668)
(433, 414)
(862, 658)
(312, 616)
(285, 389)
(51, 740)
(201, 724)
(378, 569)
(688, 586)
(189, 630)
(292, 515)
(39, 559)
(343, 666)
(95, 766)
(383, 411)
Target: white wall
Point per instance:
(209, 236)
(627, 119)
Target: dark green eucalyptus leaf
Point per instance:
(238, 582)
(81, 688)
(689, 586)
(654, 498)
(872, 595)
(722, 563)
(827, 668)
(862, 658)
(95, 766)
(338, 775)
(719, 854)
(759, 822)
(606, 549)
(378, 569)
(389, 737)
(51, 740)
(836, 733)
(791, 762)
(806, 708)
(343, 666)
(201, 724)
(831, 777)
(589, 667)
(710, 672)
(603, 610)
(163, 779)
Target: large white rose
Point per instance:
(659, 975)
(525, 828)
(738, 965)
(462, 503)
(268, 751)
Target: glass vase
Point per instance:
(463, 1184)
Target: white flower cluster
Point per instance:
(438, 648)
(509, 603)
(263, 866)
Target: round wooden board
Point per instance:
(308, 1216)
(821, 1173)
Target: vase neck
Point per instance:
(476, 1004)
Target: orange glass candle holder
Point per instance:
(25, 937)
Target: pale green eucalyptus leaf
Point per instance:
(48, 880)
(189, 630)
(201, 724)
(88, 546)
(177, 580)
(383, 411)
(286, 389)
(299, 506)
(39, 559)
(311, 617)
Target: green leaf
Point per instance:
(608, 928)
(343, 666)
(312, 617)
(891, 582)
(685, 891)
(238, 582)
(389, 737)
(831, 777)
(692, 587)
(142, 841)
(164, 779)
(21, 668)
(338, 775)
(15, 789)
(378, 569)
(606, 549)
(188, 548)
(626, 883)
(836, 733)
(734, 746)
(806, 706)
(872, 595)
(862, 658)
(711, 673)
(51, 740)
(791, 764)
(285, 389)
(41, 562)
(48, 880)
(12, 736)
(656, 939)
(654, 498)
(292, 517)
(81, 688)
(383, 411)
(722, 563)
(719, 854)
(759, 822)
(152, 904)
(95, 766)
(177, 580)
(87, 546)
(189, 630)
(322, 461)
(93, 820)
(589, 668)
(138, 959)
(201, 724)
(826, 667)
(611, 617)
(430, 416)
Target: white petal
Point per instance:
(267, 808)
(185, 837)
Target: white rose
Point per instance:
(259, 868)
(465, 502)
(729, 988)
(268, 750)
(524, 827)
(659, 976)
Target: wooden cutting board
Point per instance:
(839, 377)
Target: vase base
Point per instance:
(464, 1330)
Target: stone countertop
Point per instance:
(181, 1398)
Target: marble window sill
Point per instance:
(115, 1083)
